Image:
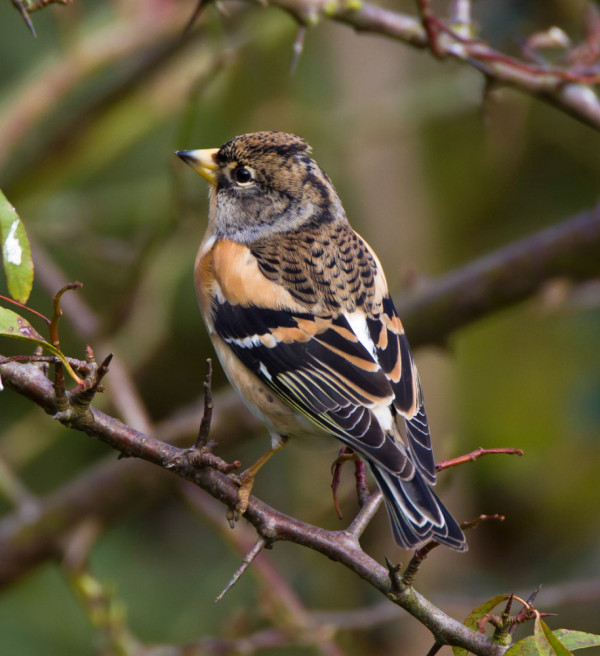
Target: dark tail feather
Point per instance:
(416, 514)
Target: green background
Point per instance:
(429, 173)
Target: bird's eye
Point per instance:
(242, 175)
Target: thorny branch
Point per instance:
(570, 90)
(270, 524)
(568, 87)
(569, 249)
(25, 7)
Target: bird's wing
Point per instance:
(318, 366)
(395, 358)
(348, 277)
(349, 372)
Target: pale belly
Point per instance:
(279, 418)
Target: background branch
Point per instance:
(571, 249)
(570, 91)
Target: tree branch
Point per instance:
(570, 249)
(568, 89)
(507, 276)
(270, 524)
(104, 491)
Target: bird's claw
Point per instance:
(344, 456)
(245, 480)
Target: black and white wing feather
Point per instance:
(358, 392)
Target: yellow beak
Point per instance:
(202, 161)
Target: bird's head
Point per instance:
(264, 183)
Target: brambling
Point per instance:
(298, 310)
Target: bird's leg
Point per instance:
(246, 480)
(345, 454)
(362, 489)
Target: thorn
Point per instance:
(533, 595)
(394, 572)
(297, 48)
(205, 423)
(435, 648)
(260, 544)
(222, 9)
(194, 17)
(20, 7)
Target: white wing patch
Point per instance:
(384, 416)
(358, 323)
(265, 372)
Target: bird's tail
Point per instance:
(416, 514)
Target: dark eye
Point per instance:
(242, 175)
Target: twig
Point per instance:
(204, 430)
(57, 311)
(86, 323)
(475, 455)
(260, 544)
(304, 626)
(431, 26)
(272, 525)
(410, 573)
(6, 299)
(570, 90)
(198, 9)
(474, 523)
(365, 515)
(345, 454)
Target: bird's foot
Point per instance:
(345, 454)
(245, 480)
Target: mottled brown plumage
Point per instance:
(324, 265)
(297, 306)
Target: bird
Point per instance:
(299, 313)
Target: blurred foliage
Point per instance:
(90, 114)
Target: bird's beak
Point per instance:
(202, 161)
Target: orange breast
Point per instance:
(228, 270)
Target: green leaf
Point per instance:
(14, 326)
(545, 642)
(16, 253)
(476, 614)
(542, 632)
(577, 639)
(526, 647)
